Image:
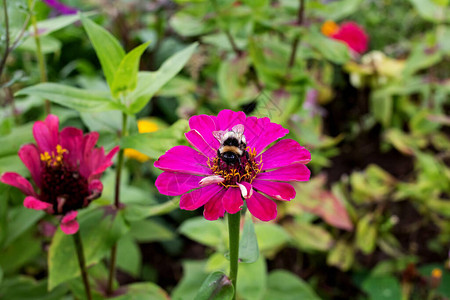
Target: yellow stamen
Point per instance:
(329, 28)
(54, 159)
(436, 273)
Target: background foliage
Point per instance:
(373, 222)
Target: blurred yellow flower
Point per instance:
(144, 126)
(436, 273)
(329, 28)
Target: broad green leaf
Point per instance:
(129, 258)
(248, 246)
(75, 98)
(338, 10)
(216, 286)
(150, 82)
(139, 212)
(283, 285)
(366, 234)
(431, 11)
(125, 77)
(18, 136)
(26, 288)
(108, 49)
(20, 252)
(49, 44)
(341, 256)
(21, 219)
(209, 233)
(334, 51)
(150, 231)
(50, 25)
(155, 144)
(385, 287)
(193, 276)
(271, 238)
(309, 237)
(252, 279)
(143, 291)
(1, 276)
(98, 232)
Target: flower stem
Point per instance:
(39, 54)
(112, 263)
(82, 263)
(234, 221)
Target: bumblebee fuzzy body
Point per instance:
(232, 145)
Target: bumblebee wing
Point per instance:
(239, 129)
(219, 135)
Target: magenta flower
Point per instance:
(61, 7)
(229, 164)
(65, 167)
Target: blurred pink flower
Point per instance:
(203, 178)
(61, 7)
(350, 33)
(66, 169)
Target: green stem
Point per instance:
(112, 263)
(39, 54)
(234, 221)
(82, 263)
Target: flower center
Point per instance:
(62, 185)
(244, 170)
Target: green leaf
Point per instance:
(1, 276)
(385, 287)
(139, 212)
(150, 82)
(248, 246)
(20, 252)
(125, 77)
(48, 45)
(332, 50)
(283, 285)
(142, 291)
(129, 258)
(18, 136)
(309, 237)
(98, 232)
(150, 231)
(341, 256)
(366, 234)
(216, 286)
(21, 219)
(50, 25)
(431, 11)
(338, 10)
(252, 279)
(108, 49)
(155, 144)
(75, 98)
(193, 275)
(209, 233)
(271, 238)
(26, 288)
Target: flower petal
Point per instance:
(278, 190)
(232, 200)
(174, 184)
(226, 119)
(195, 139)
(69, 224)
(214, 207)
(19, 182)
(260, 132)
(211, 179)
(72, 141)
(205, 125)
(36, 204)
(246, 189)
(29, 155)
(199, 197)
(293, 172)
(262, 207)
(284, 153)
(46, 133)
(183, 159)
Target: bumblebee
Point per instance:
(232, 144)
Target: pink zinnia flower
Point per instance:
(66, 169)
(203, 177)
(349, 33)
